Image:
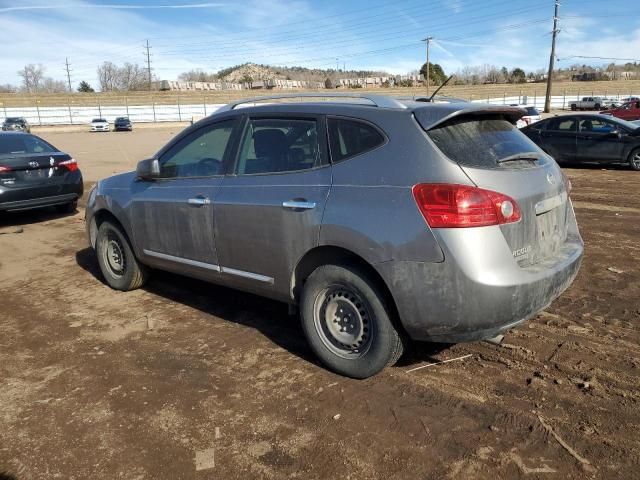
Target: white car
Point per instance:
(99, 125)
(532, 116)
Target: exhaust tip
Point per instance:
(497, 340)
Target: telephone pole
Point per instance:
(148, 49)
(547, 100)
(428, 42)
(66, 62)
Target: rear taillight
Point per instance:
(70, 165)
(459, 206)
(4, 169)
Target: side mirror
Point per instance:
(148, 169)
(615, 133)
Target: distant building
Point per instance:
(373, 82)
(171, 85)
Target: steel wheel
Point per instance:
(343, 321)
(114, 255)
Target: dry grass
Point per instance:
(620, 88)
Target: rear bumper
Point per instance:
(26, 198)
(476, 293)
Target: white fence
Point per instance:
(136, 113)
(74, 115)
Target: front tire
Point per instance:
(118, 264)
(634, 159)
(348, 323)
(573, 108)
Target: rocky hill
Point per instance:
(254, 72)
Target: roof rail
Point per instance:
(379, 101)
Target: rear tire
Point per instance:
(597, 106)
(634, 159)
(573, 108)
(348, 323)
(70, 207)
(118, 264)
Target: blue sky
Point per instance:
(374, 34)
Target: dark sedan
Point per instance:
(122, 123)
(588, 138)
(34, 174)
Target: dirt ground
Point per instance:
(185, 380)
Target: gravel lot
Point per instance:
(188, 380)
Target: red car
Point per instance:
(626, 111)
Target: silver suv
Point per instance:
(381, 221)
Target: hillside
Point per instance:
(241, 73)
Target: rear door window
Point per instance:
(562, 124)
(277, 145)
(483, 142)
(348, 138)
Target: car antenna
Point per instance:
(440, 88)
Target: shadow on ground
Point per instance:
(30, 217)
(269, 317)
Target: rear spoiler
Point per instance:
(434, 115)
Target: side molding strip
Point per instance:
(210, 266)
(242, 273)
(195, 263)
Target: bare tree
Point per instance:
(7, 88)
(49, 85)
(108, 76)
(32, 77)
(132, 77)
(197, 75)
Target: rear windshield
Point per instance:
(14, 120)
(481, 142)
(24, 144)
(532, 111)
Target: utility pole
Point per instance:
(547, 100)
(428, 42)
(148, 48)
(66, 62)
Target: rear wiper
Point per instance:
(531, 156)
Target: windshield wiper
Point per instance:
(531, 156)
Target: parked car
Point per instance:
(122, 123)
(34, 174)
(99, 125)
(588, 138)
(629, 99)
(433, 221)
(591, 103)
(19, 124)
(532, 116)
(626, 111)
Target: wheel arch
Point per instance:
(100, 217)
(333, 255)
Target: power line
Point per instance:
(547, 100)
(66, 62)
(148, 49)
(428, 42)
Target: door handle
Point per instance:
(199, 201)
(299, 205)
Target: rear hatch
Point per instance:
(29, 162)
(496, 156)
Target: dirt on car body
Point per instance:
(187, 380)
